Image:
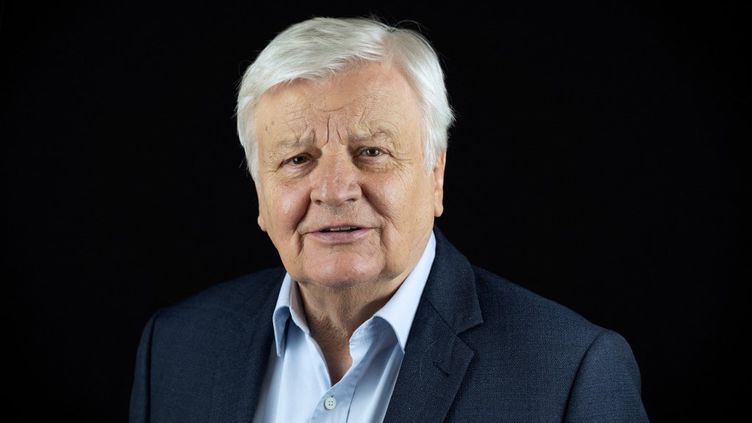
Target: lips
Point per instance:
(344, 228)
(339, 233)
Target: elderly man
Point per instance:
(375, 316)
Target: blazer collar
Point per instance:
(451, 287)
(436, 359)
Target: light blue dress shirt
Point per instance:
(297, 385)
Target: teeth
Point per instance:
(340, 229)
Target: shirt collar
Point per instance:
(399, 311)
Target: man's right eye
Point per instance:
(297, 160)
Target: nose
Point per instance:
(335, 181)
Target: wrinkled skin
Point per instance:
(346, 152)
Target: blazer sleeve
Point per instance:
(607, 385)
(140, 393)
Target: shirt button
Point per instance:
(330, 403)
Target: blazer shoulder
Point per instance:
(237, 292)
(205, 355)
(240, 299)
(523, 310)
(544, 361)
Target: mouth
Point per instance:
(340, 229)
(340, 234)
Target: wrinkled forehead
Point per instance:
(365, 99)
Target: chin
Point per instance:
(344, 273)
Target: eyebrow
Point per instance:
(359, 138)
(309, 139)
(306, 139)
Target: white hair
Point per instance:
(320, 47)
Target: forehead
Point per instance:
(363, 96)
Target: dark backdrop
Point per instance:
(595, 160)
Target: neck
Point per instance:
(333, 314)
(339, 311)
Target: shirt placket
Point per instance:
(334, 405)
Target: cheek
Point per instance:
(384, 195)
(288, 206)
(401, 199)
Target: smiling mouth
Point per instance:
(340, 229)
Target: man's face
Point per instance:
(343, 191)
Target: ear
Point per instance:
(261, 223)
(260, 219)
(438, 184)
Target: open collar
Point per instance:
(398, 312)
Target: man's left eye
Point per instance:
(371, 152)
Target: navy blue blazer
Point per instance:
(481, 349)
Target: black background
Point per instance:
(596, 160)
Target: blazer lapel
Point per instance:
(253, 357)
(436, 359)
